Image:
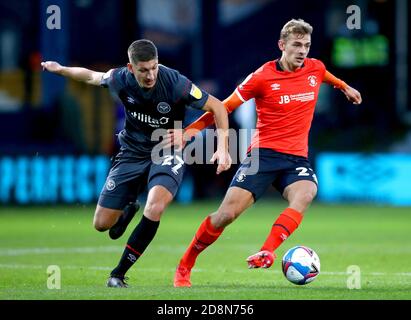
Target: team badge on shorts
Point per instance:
(110, 184)
(241, 177)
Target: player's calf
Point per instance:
(123, 221)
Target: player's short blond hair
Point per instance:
(295, 26)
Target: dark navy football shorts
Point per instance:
(264, 167)
(130, 175)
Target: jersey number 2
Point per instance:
(303, 172)
(168, 161)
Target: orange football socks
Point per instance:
(205, 236)
(282, 228)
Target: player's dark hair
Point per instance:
(142, 50)
(295, 26)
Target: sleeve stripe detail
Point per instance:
(239, 95)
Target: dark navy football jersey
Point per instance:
(148, 110)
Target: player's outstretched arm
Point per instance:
(75, 73)
(352, 94)
(221, 155)
(231, 103)
(181, 137)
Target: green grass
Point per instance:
(376, 239)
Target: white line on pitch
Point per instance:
(86, 250)
(333, 273)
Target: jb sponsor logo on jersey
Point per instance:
(300, 97)
(152, 122)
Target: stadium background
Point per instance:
(57, 135)
(50, 124)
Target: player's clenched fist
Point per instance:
(51, 66)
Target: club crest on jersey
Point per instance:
(195, 92)
(163, 107)
(312, 81)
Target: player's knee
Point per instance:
(154, 209)
(305, 198)
(101, 221)
(100, 224)
(225, 216)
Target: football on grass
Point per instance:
(301, 265)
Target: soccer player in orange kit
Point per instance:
(285, 91)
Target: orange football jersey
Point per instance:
(285, 103)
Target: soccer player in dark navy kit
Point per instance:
(154, 97)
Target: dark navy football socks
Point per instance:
(139, 240)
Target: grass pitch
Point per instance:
(377, 240)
